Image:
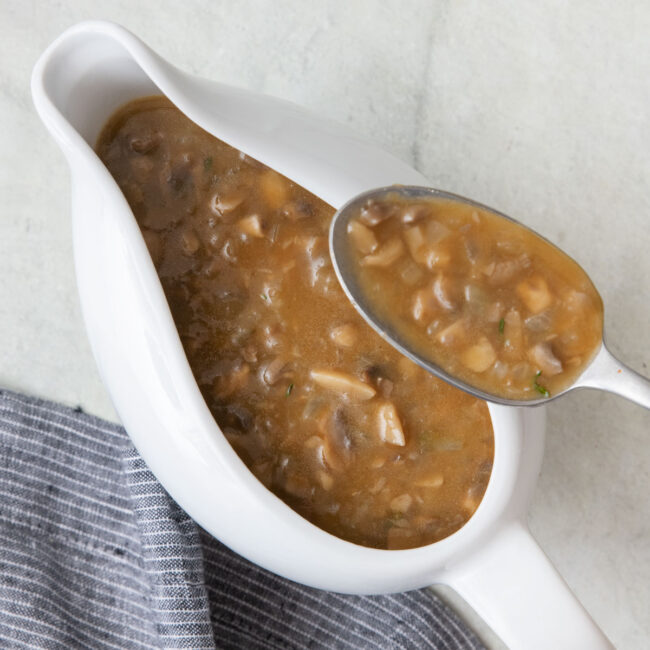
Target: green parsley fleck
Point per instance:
(207, 163)
(502, 325)
(540, 389)
(289, 389)
(263, 296)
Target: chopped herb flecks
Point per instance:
(502, 325)
(289, 389)
(207, 163)
(538, 388)
(263, 296)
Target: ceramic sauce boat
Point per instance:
(492, 561)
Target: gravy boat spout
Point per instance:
(87, 73)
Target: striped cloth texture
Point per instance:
(95, 554)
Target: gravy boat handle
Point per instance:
(516, 590)
(607, 373)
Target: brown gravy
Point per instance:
(350, 434)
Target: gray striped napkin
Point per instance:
(95, 554)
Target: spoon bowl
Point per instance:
(603, 372)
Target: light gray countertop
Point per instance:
(541, 110)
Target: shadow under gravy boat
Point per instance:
(492, 561)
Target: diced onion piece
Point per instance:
(542, 356)
(362, 237)
(325, 480)
(436, 231)
(411, 273)
(535, 294)
(390, 427)
(190, 242)
(452, 333)
(388, 253)
(539, 322)
(344, 336)
(479, 357)
(414, 238)
(251, 225)
(493, 312)
(401, 503)
(513, 331)
(342, 382)
(437, 257)
(434, 480)
(503, 271)
(273, 188)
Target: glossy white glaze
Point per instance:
(77, 83)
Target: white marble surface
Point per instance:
(541, 109)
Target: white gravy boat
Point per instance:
(492, 562)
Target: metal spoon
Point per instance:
(605, 372)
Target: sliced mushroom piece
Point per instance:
(145, 143)
(337, 444)
(423, 303)
(275, 370)
(388, 253)
(362, 237)
(535, 294)
(342, 382)
(442, 292)
(390, 426)
(479, 357)
(542, 356)
(221, 204)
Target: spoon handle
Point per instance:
(608, 373)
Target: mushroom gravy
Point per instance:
(353, 436)
(484, 298)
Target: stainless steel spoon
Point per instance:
(605, 372)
